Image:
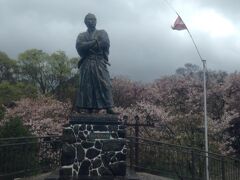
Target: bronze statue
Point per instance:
(95, 91)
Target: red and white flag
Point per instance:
(179, 24)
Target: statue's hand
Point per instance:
(96, 44)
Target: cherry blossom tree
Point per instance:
(174, 103)
(43, 116)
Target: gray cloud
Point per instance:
(143, 46)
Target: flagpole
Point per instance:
(205, 105)
(205, 118)
(204, 95)
(195, 45)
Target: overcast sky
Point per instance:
(143, 45)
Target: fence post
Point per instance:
(131, 153)
(193, 164)
(223, 168)
(136, 140)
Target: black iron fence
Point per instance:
(179, 162)
(28, 155)
(33, 155)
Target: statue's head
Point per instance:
(90, 20)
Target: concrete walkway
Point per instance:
(38, 177)
(142, 176)
(146, 176)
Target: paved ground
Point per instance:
(146, 176)
(39, 177)
(142, 176)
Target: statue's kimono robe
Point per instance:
(95, 91)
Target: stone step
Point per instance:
(147, 176)
(130, 175)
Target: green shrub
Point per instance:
(14, 128)
(18, 154)
(12, 92)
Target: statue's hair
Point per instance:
(89, 15)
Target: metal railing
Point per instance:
(28, 155)
(32, 155)
(179, 162)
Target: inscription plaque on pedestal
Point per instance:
(93, 136)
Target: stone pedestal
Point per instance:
(94, 147)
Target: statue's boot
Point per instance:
(96, 111)
(110, 111)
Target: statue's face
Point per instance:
(90, 21)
